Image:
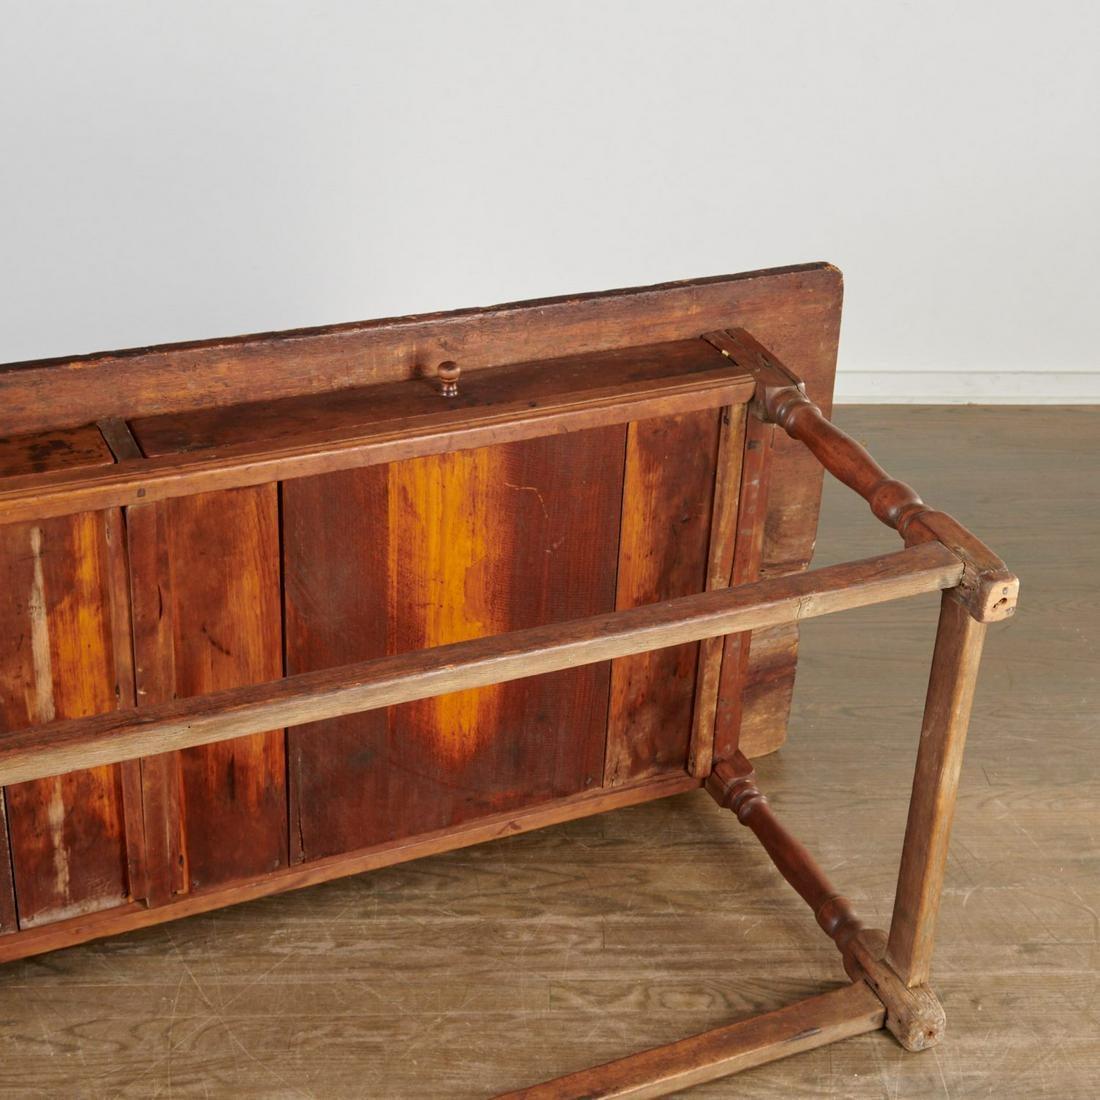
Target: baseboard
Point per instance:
(975, 387)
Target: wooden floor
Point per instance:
(487, 969)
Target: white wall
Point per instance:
(190, 169)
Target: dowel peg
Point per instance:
(448, 378)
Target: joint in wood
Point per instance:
(914, 1016)
(988, 590)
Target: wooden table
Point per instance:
(283, 608)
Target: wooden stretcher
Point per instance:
(282, 608)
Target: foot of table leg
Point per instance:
(914, 1015)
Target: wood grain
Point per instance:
(723, 535)
(64, 653)
(51, 450)
(491, 967)
(326, 449)
(666, 517)
(461, 666)
(336, 563)
(207, 567)
(839, 1014)
(607, 379)
(56, 662)
(458, 547)
(951, 685)
(8, 917)
(110, 922)
(748, 552)
(794, 310)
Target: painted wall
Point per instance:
(175, 171)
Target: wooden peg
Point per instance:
(448, 378)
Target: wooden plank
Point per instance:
(152, 598)
(794, 310)
(460, 666)
(465, 545)
(958, 652)
(723, 535)
(602, 378)
(767, 689)
(118, 585)
(110, 922)
(748, 551)
(150, 787)
(815, 1022)
(53, 450)
(666, 513)
(207, 614)
(256, 463)
(67, 832)
(8, 920)
(337, 611)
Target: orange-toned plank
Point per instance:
(459, 546)
(666, 512)
(207, 611)
(501, 539)
(57, 661)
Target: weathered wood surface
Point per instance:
(666, 519)
(720, 554)
(448, 427)
(126, 918)
(750, 533)
(795, 311)
(52, 449)
(605, 379)
(207, 618)
(817, 1021)
(61, 619)
(499, 965)
(451, 549)
(461, 666)
(988, 589)
(951, 686)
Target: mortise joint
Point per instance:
(915, 1017)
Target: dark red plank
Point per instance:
(667, 498)
(208, 616)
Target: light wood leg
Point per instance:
(959, 639)
(851, 1010)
